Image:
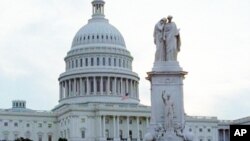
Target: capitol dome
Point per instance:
(98, 65)
(98, 30)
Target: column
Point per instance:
(94, 81)
(138, 128)
(224, 134)
(137, 90)
(118, 126)
(66, 89)
(121, 87)
(101, 85)
(114, 127)
(131, 88)
(60, 90)
(115, 86)
(108, 85)
(70, 86)
(128, 138)
(88, 88)
(126, 86)
(100, 125)
(81, 90)
(104, 126)
(74, 87)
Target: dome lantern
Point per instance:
(98, 8)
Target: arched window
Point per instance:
(107, 133)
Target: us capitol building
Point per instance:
(99, 96)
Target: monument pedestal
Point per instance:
(167, 108)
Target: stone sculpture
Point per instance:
(169, 112)
(167, 40)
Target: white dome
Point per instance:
(98, 30)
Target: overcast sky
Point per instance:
(35, 36)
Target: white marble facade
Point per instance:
(98, 96)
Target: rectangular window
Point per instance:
(130, 121)
(103, 61)
(40, 125)
(49, 125)
(86, 62)
(27, 125)
(16, 124)
(6, 124)
(114, 62)
(76, 63)
(109, 61)
(40, 138)
(119, 62)
(49, 137)
(83, 134)
(80, 62)
(97, 61)
(72, 64)
(92, 61)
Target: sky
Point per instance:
(35, 36)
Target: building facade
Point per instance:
(99, 96)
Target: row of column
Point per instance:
(116, 127)
(98, 86)
(224, 134)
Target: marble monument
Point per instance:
(167, 110)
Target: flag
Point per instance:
(125, 97)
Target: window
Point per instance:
(107, 121)
(40, 125)
(49, 137)
(140, 134)
(190, 129)
(103, 61)
(97, 61)
(130, 121)
(200, 130)
(86, 61)
(5, 123)
(83, 134)
(49, 125)
(107, 133)
(16, 124)
(76, 63)
(114, 62)
(72, 64)
(27, 125)
(109, 61)
(209, 130)
(123, 63)
(40, 138)
(120, 134)
(140, 122)
(92, 61)
(83, 120)
(119, 62)
(80, 62)
(120, 121)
